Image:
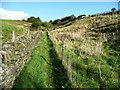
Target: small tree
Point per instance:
(56, 21)
(113, 9)
(47, 25)
(50, 21)
(36, 25)
(80, 16)
(24, 20)
(33, 19)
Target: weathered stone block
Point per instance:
(19, 53)
(3, 56)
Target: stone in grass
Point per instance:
(18, 53)
(20, 45)
(1, 78)
(3, 57)
(17, 44)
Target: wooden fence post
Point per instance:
(13, 38)
(28, 34)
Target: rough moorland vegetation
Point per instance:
(90, 50)
(74, 53)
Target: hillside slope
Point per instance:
(19, 27)
(90, 50)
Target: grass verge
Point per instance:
(44, 70)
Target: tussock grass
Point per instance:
(89, 50)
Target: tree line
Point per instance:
(37, 24)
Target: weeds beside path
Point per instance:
(44, 70)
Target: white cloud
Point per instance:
(12, 15)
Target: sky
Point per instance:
(52, 10)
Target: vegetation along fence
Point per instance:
(14, 55)
(90, 50)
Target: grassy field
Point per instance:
(44, 70)
(80, 54)
(16, 22)
(90, 50)
(63, 24)
(8, 27)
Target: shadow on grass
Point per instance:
(44, 70)
(33, 74)
(60, 78)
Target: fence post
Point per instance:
(13, 39)
(1, 72)
(28, 34)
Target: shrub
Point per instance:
(33, 19)
(47, 25)
(56, 21)
(36, 24)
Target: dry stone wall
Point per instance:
(14, 56)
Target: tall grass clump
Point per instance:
(88, 53)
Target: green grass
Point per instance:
(44, 70)
(58, 72)
(86, 69)
(15, 22)
(83, 55)
(34, 73)
(7, 31)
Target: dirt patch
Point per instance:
(29, 24)
(20, 26)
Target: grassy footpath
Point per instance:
(44, 70)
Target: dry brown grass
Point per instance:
(86, 38)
